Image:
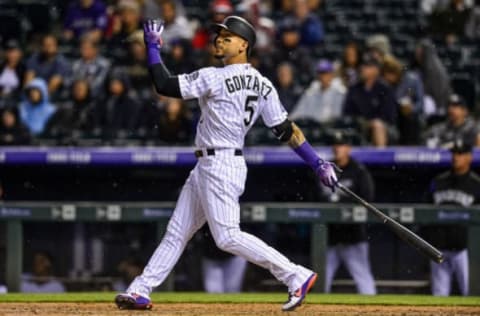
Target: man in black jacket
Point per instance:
(458, 186)
(347, 243)
(372, 103)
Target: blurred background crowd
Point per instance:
(399, 72)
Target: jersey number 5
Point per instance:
(249, 108)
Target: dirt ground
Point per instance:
(106, 309)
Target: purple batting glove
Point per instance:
(152, 31)
(326, 172)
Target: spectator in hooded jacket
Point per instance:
(12, 131)
(288, 89)
(117, 113)
(434, 75)
(36, 110)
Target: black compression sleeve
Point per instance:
(164, 82)
(283, 131)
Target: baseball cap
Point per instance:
(340, 138)
(461, 146)
(11, 44)
(324, 65)
(222, 6)
(370, 60)
(455, 99)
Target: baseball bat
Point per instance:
(401, 231)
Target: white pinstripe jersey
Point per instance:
(231, 99)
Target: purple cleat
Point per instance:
(296, 298)
(133, 301)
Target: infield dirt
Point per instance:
(107, 309)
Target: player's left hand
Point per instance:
(326, 172)
(152, 32)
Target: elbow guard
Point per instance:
(283, 131)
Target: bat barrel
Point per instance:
(401, 231)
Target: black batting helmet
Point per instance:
(238, 26)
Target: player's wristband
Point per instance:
(308, 154)
(153, 54)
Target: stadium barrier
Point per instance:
(318, 215)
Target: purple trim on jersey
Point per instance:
(153, 54)
(308, 154)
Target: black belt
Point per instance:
(211, 152)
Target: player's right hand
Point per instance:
(326, 172)
(152, 31)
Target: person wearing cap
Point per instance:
(409, 93)
(322, 102)
(347, 243)
(127, 20)
(371, 103)
(219, 10)
(290, 50)
(12, 70)
(459, 186)
(459, 125)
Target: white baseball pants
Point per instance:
(211, 194)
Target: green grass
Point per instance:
(192, 297)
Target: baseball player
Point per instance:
(231, 98)
(458, 186)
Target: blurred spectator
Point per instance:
(219, 10)
(450, 22)
(136, 67)
(76, 114)
(459, 186)
(91, 66)
(117, 113)
(12, 71)
(289, 49)
(472, 27)
(264, 26)
(176, 25)
(372, 103)
(41, 279)
(408, 89)
(174, 123)
(48, 64)
(311, 28)
(288, 89)
(85, 17)
(322, 102)
(12, 131)
(128, 22)
(349, 66)
(152, 8)
(1, 190)
(347, 243)
(178, 59)
(128, 269)
(433, 73)
(36, 110)
(378, 46)
(222, 272)
(459, 124)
